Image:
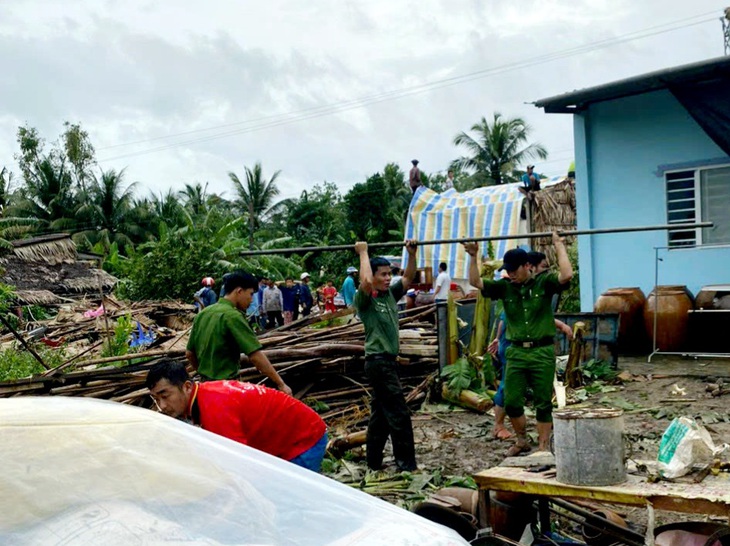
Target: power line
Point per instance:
(329, 109)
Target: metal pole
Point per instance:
(395, 244)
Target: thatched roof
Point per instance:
(554, 209)
(43, 268)
(64, 278)
(37, 297)
(52, 249)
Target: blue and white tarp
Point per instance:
(482, 212)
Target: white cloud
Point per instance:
(142, 70)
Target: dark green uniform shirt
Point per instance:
(379, 315)
(527, 306)
(219, 335)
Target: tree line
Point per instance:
(161, 244)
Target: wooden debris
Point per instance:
(324, 364)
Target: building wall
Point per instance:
(620, 147)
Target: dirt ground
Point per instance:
(459, 442)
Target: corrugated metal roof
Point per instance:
(576, 101)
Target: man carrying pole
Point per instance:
(376, 304)
(531, 333)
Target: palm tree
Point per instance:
(167, 209)
(48, 196)
(195, 198)
(109, 212)
(497, 148)
(255, 197)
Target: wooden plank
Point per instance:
(710, 497)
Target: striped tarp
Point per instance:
(492, 210)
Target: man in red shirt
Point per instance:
(265, 419)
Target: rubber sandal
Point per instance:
(517, 449)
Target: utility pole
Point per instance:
(726, 30)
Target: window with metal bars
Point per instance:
(699, 195)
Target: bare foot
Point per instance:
(501, 433)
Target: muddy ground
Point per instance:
(458, 442)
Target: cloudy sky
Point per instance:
(181, 91)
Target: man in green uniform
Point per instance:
(376, 304)
(221, 333)
(531, 333)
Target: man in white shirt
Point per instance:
(443, 284)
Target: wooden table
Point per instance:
(711, 497)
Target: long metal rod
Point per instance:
(395, 244)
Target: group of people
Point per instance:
(275, 422)
(530, 181)
(274, 304)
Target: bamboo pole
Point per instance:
(133, 356)
(537, 235)
(30, 349)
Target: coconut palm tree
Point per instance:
(48, 196)
(195, 198)
(497, 148)
(255, 197)
(108, 212)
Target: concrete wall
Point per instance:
(621, 146)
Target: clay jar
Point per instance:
(671, 305)
(629, 304)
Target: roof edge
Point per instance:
(576, 101)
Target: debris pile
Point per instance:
(322, 362)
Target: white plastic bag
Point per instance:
(684, 444)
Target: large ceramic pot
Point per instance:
(671, 306)
(629, 304)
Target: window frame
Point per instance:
(696, 171)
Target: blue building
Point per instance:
(652, 149)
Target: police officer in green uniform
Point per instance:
(376, 303)
(220, 334)
(531, 333)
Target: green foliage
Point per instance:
(7, 297)
(598, 370)
(255, 197)
(570, 300)
(316, 405)
(173, 267)
(461, 375)
(377, 208)
(37, 312)
(118, 345)
(16, 363)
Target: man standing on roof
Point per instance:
(530, 182)
(262, 418)
(348, 287)
(375, 302)
(531, 333)
(414, 177)
(220, 334)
